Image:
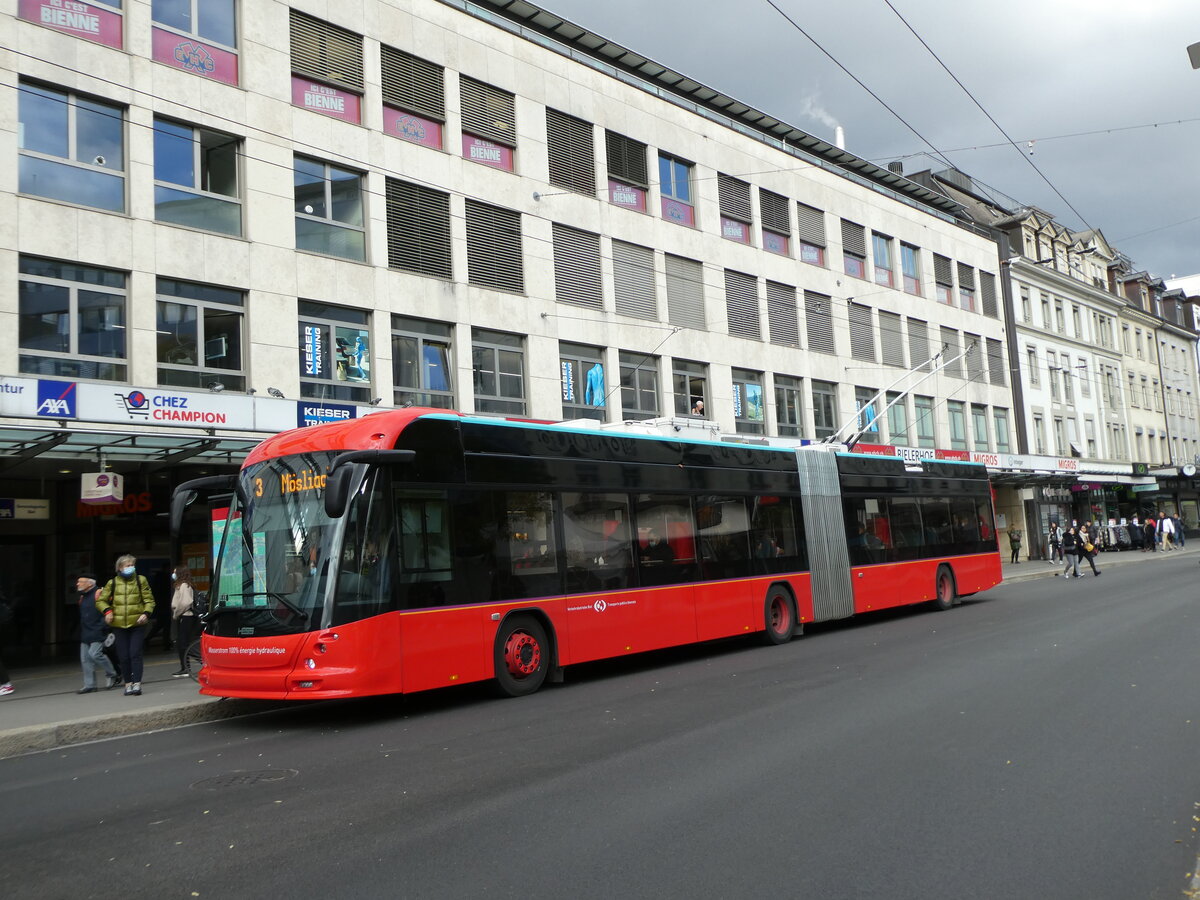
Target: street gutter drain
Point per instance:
(244, 779)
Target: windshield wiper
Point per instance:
(274, 595)
(224, 607)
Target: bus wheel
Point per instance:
(779, 616)
(946, 596)
(522, 656)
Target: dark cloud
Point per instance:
(1041, 69)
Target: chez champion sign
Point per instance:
(51, 399)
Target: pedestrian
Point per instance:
(184, 613)
(1178, 523)
(1014, 543)
(91, 637)
(1089, 536)
(127, 604)
(1054, 538)
(1166, 529)
(6, 618)
(1071, 548)
(1150, 532)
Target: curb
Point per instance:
(36, 738)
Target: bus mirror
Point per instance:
(337, 479)
(185, 494)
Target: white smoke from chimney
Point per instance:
(839, 137)
(811, 107)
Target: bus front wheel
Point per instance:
(946, 595)
(779, 616)
(522, 656)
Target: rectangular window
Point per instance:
(422, 363)
(979, 427)
(494, 255)
(995, 362)
(825, 413)
(1039, 435)
(736, 217)
(685, 292)
(1060, 438)
(924, 421)
(910, 263)
(867, 409)
(327, 68)
(741, 301)
(675, 186)
(633, 281)
(196, 178)
(71, 320)
(854, 249)
(418, 223)
(862, 332)
(1000, 426)
(329, 209)
(943, 280)
(572, 155)
(199, 336)
(1052, 371)
(810, 224)
(639, 386)
(690, 383)
(71, 148)
(974, 348)
(882, 247)
(789, 406)
(1032, 365)
(335, 352)
(577, 267)
(581, 379)
(1076, 322)
(414, 97)
(987, 293)
(782, 315)
(498, 369)
(953, 352)
(897, 419)
(1068, 380)
(918, 345)
(891, 339)
(210, 30)
(628, 177)
(1026, 306)
(776, 223)
(966, 287)
(956, 413)
(749, 405)
(489, 124)
(818, 317)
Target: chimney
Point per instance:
(896, 167)
(839, 137)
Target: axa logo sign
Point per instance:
(57, 399)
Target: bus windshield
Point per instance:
(274, 560)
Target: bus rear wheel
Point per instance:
(521, 656)
(779, 616)
(946, 595)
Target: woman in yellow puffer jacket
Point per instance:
(127, 604)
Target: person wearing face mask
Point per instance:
(127, 604)
(184, 614)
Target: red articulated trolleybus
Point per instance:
(418, 548)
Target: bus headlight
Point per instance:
(310, 663)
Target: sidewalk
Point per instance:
(45, 711)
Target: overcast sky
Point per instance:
(1077, 77)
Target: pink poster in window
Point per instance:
(80, 19)
(678, 212)
(776, 243)
(734, 230)
(329, 101)
(195, 56)
(478, 150)
(624, 195)
(408, 127)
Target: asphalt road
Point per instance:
(1040, 741)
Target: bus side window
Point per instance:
(778, 542)
(365, 584)
(723, 527)
(532, 549)
(907, 533)
(666, 542)
(598, 540)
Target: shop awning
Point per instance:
(21, 445)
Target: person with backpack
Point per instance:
(1054, 539)
(1089, 537)
(1071, 549)
(127, 603)
(1014, 542)
(184, 613)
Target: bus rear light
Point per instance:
(310, 663)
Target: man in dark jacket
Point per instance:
(91, 637)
